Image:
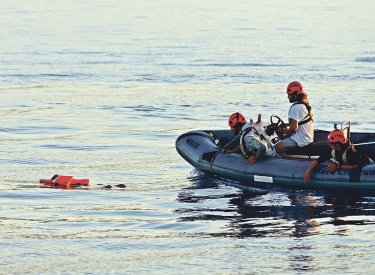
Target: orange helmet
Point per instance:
(294, 86)
(236, 118)
(337, 136)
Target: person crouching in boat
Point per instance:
(252, 146)
(341, 152)
(301, 130)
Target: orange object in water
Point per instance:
(65, 180)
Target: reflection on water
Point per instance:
(272, 211)
(65, 187)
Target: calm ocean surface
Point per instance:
(102, 89)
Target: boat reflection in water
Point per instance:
(269, 211)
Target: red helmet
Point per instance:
(236, 118)
(337, 136)
(294, 86)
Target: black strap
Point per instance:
(305, 121)
(355, 174)
(208, 156)
(308, 114)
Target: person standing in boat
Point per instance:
(252, 146)
(342, 154)
(300, 132)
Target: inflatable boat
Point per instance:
(202, 149)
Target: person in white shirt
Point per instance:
(300, 132)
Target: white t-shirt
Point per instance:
(305, 133)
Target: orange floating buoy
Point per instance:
(65, 180)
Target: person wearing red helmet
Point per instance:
(342, 154)
(252, 146)
(300, 132)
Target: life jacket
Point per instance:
(245, 152)
(364, 159)
(344, 158)
(308, 117)
(270, 150)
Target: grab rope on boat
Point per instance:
(366, 138)
(213, 158)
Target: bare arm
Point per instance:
(306, 176)
(348, 166)
(293, 126)
(228, 151)
(333, 166)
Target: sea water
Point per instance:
(102, 89)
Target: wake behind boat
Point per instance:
(202, 149)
